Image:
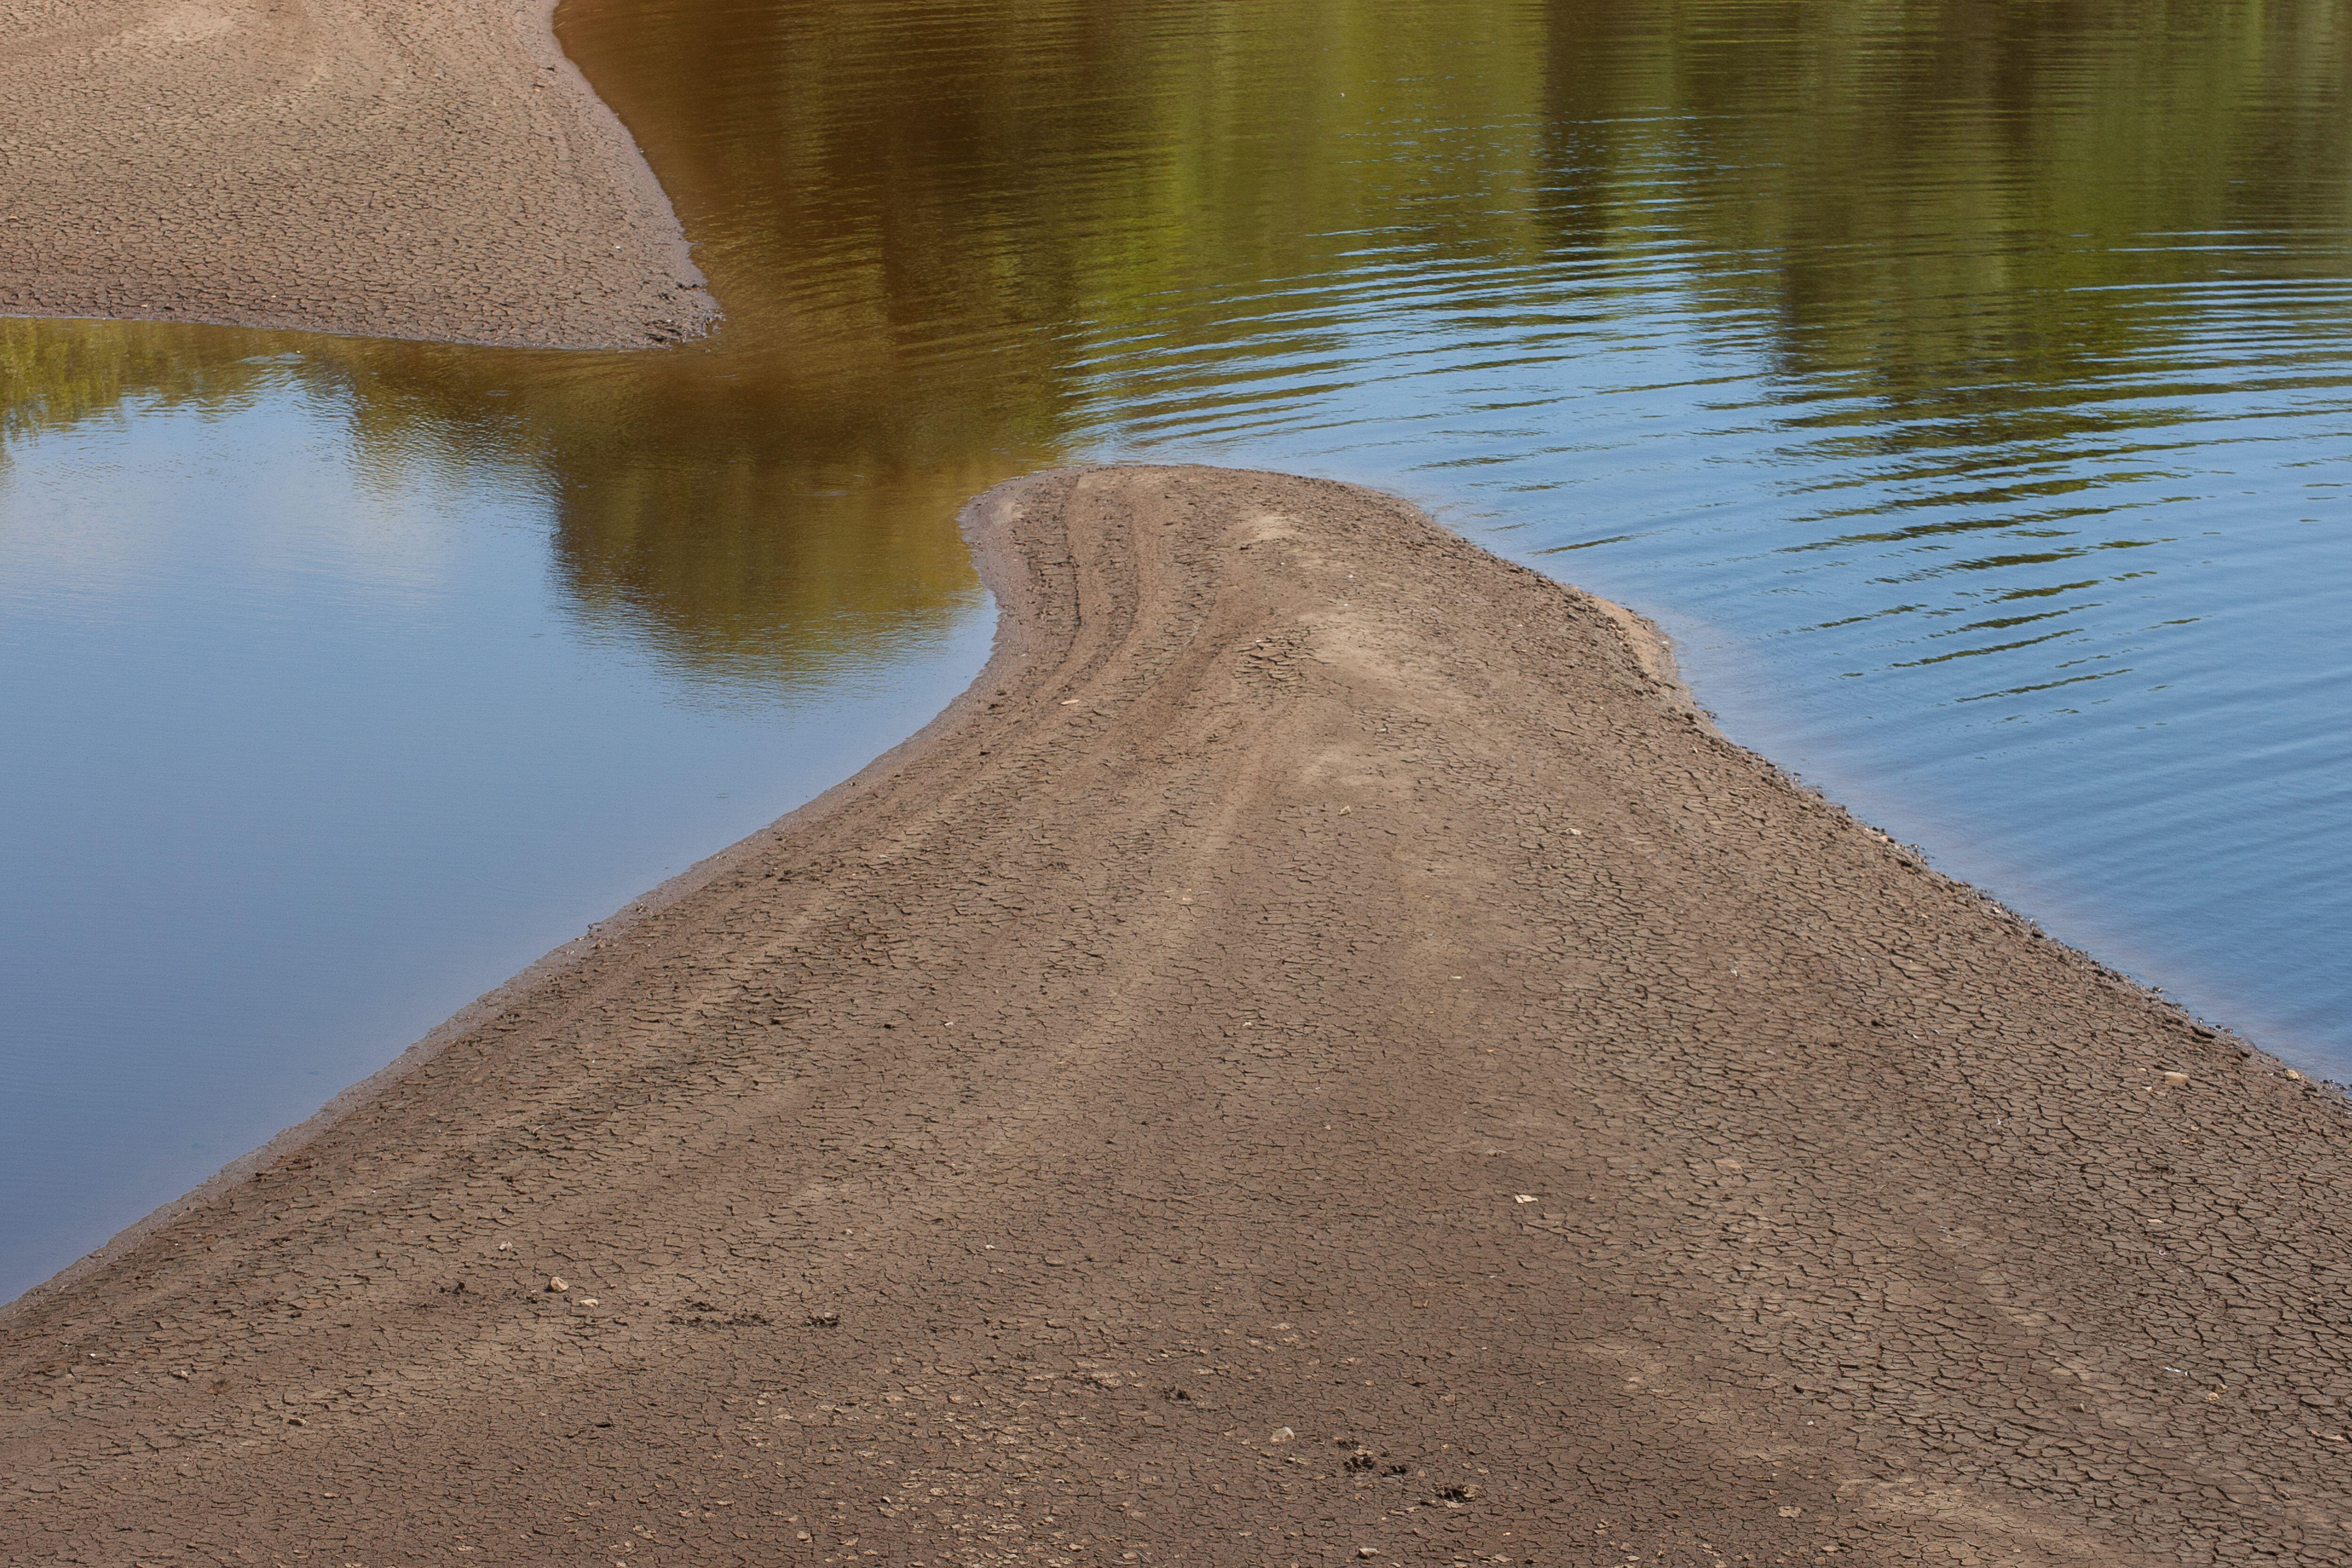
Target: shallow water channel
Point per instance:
(1967, 386)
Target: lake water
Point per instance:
(1966, 386)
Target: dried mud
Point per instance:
(397, 168)
(1320, 1056)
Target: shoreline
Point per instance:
(417, 169)
(1736, 1188)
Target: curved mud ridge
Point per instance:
(399, 168)
(1320, 1053)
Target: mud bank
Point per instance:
(1320, 1053)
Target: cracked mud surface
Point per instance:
(1318, 1058)
(398, 168)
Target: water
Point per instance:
(1968, 387)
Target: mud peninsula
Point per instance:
(1320, 1051)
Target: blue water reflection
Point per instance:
(304, 751)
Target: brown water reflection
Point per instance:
(757, 531)
(1932, 192)
(940, 228)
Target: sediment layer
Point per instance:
(1321, 1052)
(398, 168)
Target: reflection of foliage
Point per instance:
(940, 228)
(994, 169)
(1946, 194)
(58, 373)
(756, 528)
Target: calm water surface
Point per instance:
(1967, 386)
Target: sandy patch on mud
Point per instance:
(400, 168)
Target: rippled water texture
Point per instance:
(1967, 386)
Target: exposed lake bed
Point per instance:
(1319, 1026)
(1970, 400)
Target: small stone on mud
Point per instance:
(2176, 1079)
(1282, 1435)
(558, 1285)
